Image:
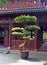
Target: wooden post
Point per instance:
(10, 26)
(35, 39)
(40, 37)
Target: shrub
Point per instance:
(17, 28)
(24, 18)
(33, 27)
(28, 38)
(2, 3)
(17, 33)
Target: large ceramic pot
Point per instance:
(24, 54)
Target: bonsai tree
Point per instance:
(24, 31)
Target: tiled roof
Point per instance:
(24, 10)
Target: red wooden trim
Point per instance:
(41, 49)
(30, 45)
(6, 42)
(10, 27)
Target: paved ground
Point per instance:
(14, 59)
(35, 58)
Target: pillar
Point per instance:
(10, 27)
(40, 37)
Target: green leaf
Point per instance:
(32, 27)
(2, 3)
(27, 38)
(27, 32)
(17, 33)
(17, 28)
(24, 18)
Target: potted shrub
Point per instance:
(25, 31)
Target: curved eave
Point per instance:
(23, 10)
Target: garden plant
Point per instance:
(25, 31)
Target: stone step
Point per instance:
(3, 49)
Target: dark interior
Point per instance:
(1, 36)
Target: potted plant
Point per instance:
(24, 31)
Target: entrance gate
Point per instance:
(4, 36)
(1, 36)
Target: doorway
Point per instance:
(44, 45)
(4, 36)
(1, 36)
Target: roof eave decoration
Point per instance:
(23, 10)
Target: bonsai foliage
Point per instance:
(17, 31)
(17, 28)
(24, 18)
(2, 3)
(26, 31)
(21, 32)
(33, 27)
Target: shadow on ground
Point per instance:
(33, 59)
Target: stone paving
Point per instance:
(25, 62)
(13, 58)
